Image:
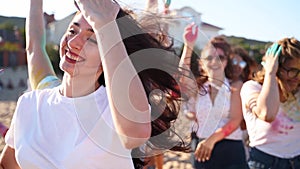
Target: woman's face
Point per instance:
(214, 61)
(79, 50)
(238, 64)
(290, 74)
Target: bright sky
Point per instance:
(266, 20)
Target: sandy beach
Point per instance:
(172, 160)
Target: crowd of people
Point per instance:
(123, 87)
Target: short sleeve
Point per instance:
(248, 89)
(49, 82)
(10, 135)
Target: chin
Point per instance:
(67, 68)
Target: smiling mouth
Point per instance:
(72, 57)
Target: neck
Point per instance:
(75, 87)
(217, 80)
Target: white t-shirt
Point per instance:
(281, 137)
(51, 131)
(214, 116)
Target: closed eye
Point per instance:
(92, 40)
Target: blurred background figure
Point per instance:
(271, 108)
(244, 66)
(216, 113)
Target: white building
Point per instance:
(180, 18)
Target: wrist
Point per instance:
(189, 46)
(108, 36)
(270, 75)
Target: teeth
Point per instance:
(76, 58)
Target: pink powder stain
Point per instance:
(282, 124)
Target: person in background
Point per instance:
(100, 114)
(217, 112)
(244, 66)
(271, 108)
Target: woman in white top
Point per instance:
(81, 123)
(217, 114)
(271, 108)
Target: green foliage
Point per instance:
(255, 48)
(7, 26)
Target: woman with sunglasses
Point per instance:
(244, 66)
(271, 108)
(216, 112)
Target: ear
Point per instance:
(100, 70)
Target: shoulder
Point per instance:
(49, 82)
(249, 88)
(35, 96)
(251, 85)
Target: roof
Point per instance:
(211, 26)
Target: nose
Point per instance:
(75, 42)
(216, 60)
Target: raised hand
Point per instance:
(270, 62)
(98, 12)
(190, 34)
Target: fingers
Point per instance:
(192, 27)
(191, 34)
(202, 153)
(195, 30)
(270, 61)
(278, 52)
(274, 50)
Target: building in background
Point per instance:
(176, 21)
(180, 18)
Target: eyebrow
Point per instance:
(78, 25)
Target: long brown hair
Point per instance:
(165, 111)
(221, 43)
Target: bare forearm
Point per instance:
(35, 25)
(188, 81)
(8, 160)
(268, 99)
(226, 130)
(126, 93)
(39, 64)
(185, 60)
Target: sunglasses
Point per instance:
(242, 64)
(210, 58)
(292, 72)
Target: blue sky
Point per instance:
(256, 19)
